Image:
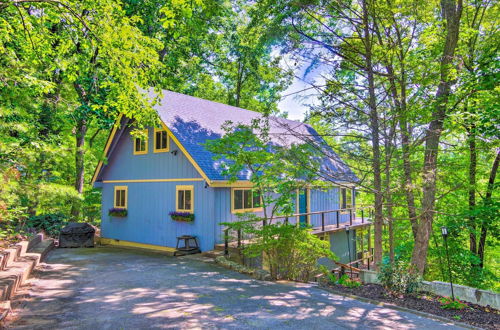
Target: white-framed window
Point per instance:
(141, 144)
(245, 200)
(120, 197)
(161, 140)
(184, 199)
(345, 201)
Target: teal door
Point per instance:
(303, 206)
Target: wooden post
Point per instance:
(362, 232)
(323, 221)
(369, 246)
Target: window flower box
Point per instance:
(117, 212)
(182, 216)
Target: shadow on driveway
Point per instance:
(111, 288)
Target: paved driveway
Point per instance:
(110, 288)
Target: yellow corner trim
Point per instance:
(106, 148)
(145, 151)
(153, 180)
(118, 242)
(156, 130)
(186, 153)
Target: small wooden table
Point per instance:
(187, 248)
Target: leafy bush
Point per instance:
(348, 282)
(398, 279)
(449, 303)
(289, 252)
(50, 223)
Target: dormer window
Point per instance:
(161, 141)
(141, 144)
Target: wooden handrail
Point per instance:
(321, 212)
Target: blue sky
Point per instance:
(299, 94)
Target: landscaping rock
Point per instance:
(76, 235)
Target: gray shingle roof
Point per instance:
(194, 121)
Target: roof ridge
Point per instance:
(235, 107)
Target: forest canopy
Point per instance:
(407, 94)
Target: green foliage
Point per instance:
(288, 251)
(50, 223)
(449, 303)
(398, 278)
(346, 281)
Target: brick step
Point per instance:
(18, 271)
(12, 254)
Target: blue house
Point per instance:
(172, 171)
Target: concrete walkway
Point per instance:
(110, 288)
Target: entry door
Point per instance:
(303, 205)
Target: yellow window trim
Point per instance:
(255, 209)
(184, 187)
(145, 151)
(154, 142)
(126, 196)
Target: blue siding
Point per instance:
(149, 203)
(123, 164)
(325, 200)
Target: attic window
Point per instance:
(161, 140)
(141, 144)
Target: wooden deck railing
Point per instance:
(365, 211)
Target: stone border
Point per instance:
(18, 262)
(466, 293)
(399, 308)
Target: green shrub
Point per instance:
(398, 279)
(346, 281)
(449, 303)
(289, 252)
(50, 223)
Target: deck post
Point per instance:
(350, 217)
(226, 242)
(338, 218)
(369, 246)
(323, 221)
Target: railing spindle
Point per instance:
(338, 219)
(323, 221)
(350, 217)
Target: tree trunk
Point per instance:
(452, 12)
(81, 131)
(487, 201)
(471, 139)
(375, 139)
